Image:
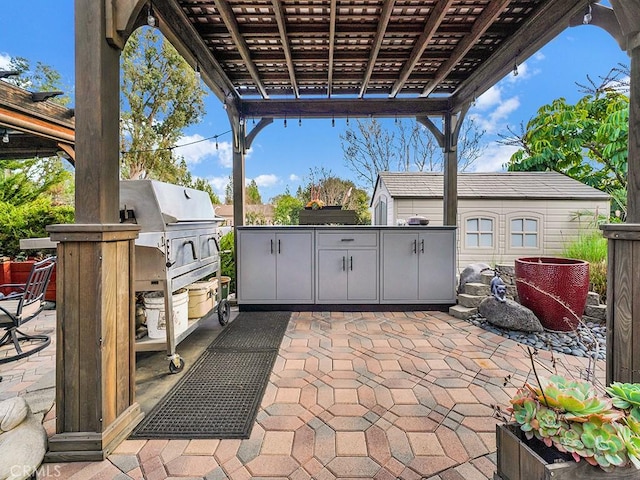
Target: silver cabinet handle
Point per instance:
(344, 267)
(351, 263)
(278, 245)
(422, 246)
(271, 246)
(193, 248)
(347, 239)
(415, 246)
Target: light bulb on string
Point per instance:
(515, 68)
(216, 142)
(151, 20)
(198, 74)
(299, 121)
(586, 20)
(285, 121)
(5, 137)
(333, 121)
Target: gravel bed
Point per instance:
(589, 340)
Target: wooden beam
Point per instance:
(332, 39)
(229, 19)
(387, 10)
(15, 99)
(539, 29)
(430, 28)
(353, 108)
(176, 27)
(284, 39)
(484, 21)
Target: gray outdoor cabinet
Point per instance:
(347, 266)
(418, 266)
(275, 265)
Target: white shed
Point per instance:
(501, 216)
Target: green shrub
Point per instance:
(591, 247)
(29, 220)
(227, 259)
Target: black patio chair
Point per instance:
(24, 303)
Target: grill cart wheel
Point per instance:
(224, 312)
(173, 368)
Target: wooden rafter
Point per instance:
(184, 37)
(435, 18)
(332, 39)
(282, 28)
(230, 21)
(483, 22)
(536, 31)
(377, 43)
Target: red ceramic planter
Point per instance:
(18, 272)
(554, 289)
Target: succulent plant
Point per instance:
(625, 395)
(609, 449)
(574, 418)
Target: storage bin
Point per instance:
(202, 298)
(225, 281)
(156, 319)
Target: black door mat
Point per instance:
(219, 396)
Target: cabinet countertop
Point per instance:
(348, 227)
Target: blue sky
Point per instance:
(282, 157)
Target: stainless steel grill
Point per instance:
(178, 242)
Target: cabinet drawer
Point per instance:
(347, 239)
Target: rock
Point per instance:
(22, 447)
(509, 315)
(596, 311)
(507, 272)
(593, 298)
(471, 273)
(12, 412)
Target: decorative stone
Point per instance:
(12, 412)
(471, 301)
(463, 313)
(507, 272)
(593, 298)
(22, 447)
(596, 311)
(477, 288)
(471, 273)
(509, 315)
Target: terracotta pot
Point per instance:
(554, 289)
(18, 272)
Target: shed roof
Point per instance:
(510, 185)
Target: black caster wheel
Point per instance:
(173, 368)
(224, 312)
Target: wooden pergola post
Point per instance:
(95, 357)
(623, 275)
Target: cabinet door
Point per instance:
(362, 273)
(437, 266)
(294, 266)
(399, 266)
(332, 275)
(256, 266)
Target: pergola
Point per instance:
(269, 59)
(31, 126)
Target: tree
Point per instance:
(586, 141)
(42, 78)
(286, 209)
(253, 194)
(228, 192)
(370, 148)
(331, 190)
(160, 96)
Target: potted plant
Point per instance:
(566, 429)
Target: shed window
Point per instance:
(524, 233)
(479, 232)
(381, 213)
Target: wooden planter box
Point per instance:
(17, 272)
(328, 215)
(517, 461)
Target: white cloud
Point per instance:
(294, 178)
(196, 149)
(5, 61)
(494, 158)
(492, 122)
(489, 98)
(265, 181)
(219, 184)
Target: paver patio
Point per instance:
(381, 395)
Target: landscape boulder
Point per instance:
(509, 314)
(23, 440)
(472, 273)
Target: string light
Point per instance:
(285, 121)
(151, 20)
(333, 121)
(347, 121)
(160, 149)
(515, 67)
(5, 137)
(198, 74)
(300, 121)
(586, 20)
